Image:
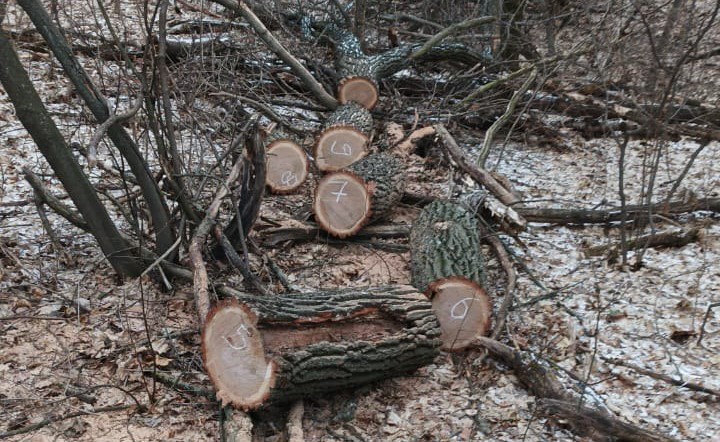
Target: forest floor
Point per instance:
(73, 338)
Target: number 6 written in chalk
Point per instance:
(346, 149)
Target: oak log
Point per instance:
(365, 192)
(447, 265)
(361, 73)
(286, 162)
(262, 350)
(344, 137)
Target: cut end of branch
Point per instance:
(463, 309)
(338, 147)
(342, 204)
(234, 357)
(361, 90)
(287, 166)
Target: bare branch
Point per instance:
(265, 35)
(103, 128)
(490, 134)
(450, 30)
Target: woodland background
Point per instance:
(605, 105)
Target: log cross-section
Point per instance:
(367, 191)
(230, 334)
(342, 204)
(262, 350)
(447, 265)
(287, 165)
(362, 90)
(344, 137)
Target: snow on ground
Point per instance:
(66, 323)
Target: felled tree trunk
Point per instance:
(361, 73)
(262, 350)
(367, 191)
(286, 162)
(447, 265)
(344, 137)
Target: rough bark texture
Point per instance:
(348, 200)
(287, 165)
(350, 114)
(353, 63)
(445, 243)
(385, 176)
(446, 264)
(97, 104)
(307, 344)
(633, 212)
(251, 193)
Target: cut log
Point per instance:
(262, 350)
(346, 201)
(287, 165)
(361, 73)
(362, 90)
(344, 137)
(342, 204)
(447, 265)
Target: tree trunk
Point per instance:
(344, 137)
(287, 164)
(37, 121)
(261, 350)
(447, 265)
(360, 73)
(367, 191)
(97, 104)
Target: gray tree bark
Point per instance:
(35, 118)
(97, 104)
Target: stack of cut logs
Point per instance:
(259, 350)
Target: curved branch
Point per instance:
(103, 128)
(452, 29)
(490, 134)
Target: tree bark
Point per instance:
(37, 121)
(262, 350)
(636, 212)
(97, 104)
(361, 73)
(251, 192)
(447, 265)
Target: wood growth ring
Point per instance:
(339, 147)
(234, 356)
(361, 90)
(287, 166)
(463, 310)
(342, 204)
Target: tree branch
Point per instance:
(450, 30)
(266, 36)
(480, 175)
(490, 134)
